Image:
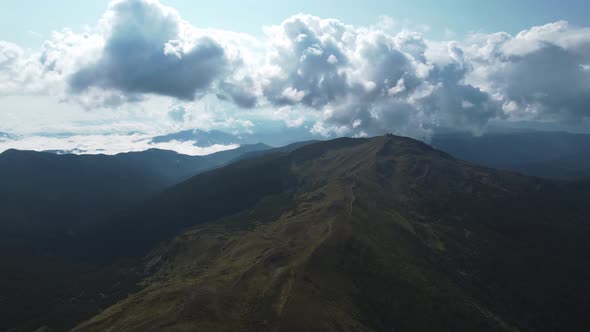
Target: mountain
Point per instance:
(175, 167)
(48, 201)
(268, 133)
(200, 137)
(547, 154)
(283, 149)
(568, 167)
(228, 156)
(45, 195)
(65, 187)
(279, 134)
(380, 234)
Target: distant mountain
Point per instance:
(279, 135)
(175, 167)
(381, 234)
(200, 137)
(546, 154)
(273, 136)
(282, 149)
(572, 166)
(77, 188)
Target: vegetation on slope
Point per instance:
(363, 234)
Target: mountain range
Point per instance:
(281, 136)
(47, 200)
(84, 185)
(366, 234)
(201, 138)
(557, 155)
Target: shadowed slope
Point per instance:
(50, 206)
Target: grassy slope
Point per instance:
(375, 235)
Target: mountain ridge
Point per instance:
(363, 234)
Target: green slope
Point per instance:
(382, 234)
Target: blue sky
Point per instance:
(327, 68)
(28, 21)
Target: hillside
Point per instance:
(49, 203)
(43, 191)
(374, 234)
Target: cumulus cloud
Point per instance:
(537, 74)
(139, 48)
(367, 80)
(407, 84)
(19, 74)
(344, 79)
(150, 49)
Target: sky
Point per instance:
(27, 22)
(99, 70)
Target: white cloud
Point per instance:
(332, 59)
(293, 95)
(297, 122)
(139, 48)
(387, 81)
(107, 144)
(398, 88)
(538, 74)
(19, 73)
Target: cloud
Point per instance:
(242, 93)
(108, 144)
(304, 61)
(367, 80)
(409, 85)
(539, 73)
(177, 113)
(139, 49)
(150, 49)
(19, 74)
(344, 79)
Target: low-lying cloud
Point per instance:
(107, 144)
